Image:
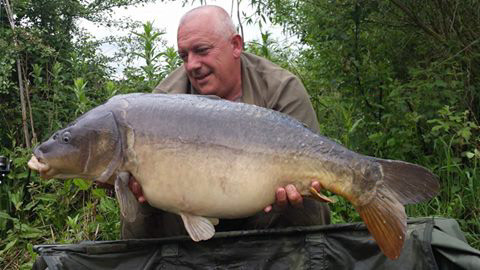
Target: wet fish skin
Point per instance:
(204, 157)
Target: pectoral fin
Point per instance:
(319, 196)
(199, 228)
(127, 201)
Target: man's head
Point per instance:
(210, 48)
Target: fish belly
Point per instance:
(214, 181)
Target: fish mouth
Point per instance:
(38, 165)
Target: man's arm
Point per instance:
(292, 98)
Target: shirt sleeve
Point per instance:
(176, 82)
(292, 98)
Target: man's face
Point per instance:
(210, 59)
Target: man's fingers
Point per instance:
(290, 195)
(281, 200)
(141, 199)
(281, 196)
(294, 197)
(136, 190)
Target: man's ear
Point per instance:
(237, 44)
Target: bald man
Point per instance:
(214, 64)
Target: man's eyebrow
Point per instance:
(195, 47)
(198, 45)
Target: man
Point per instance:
(215, 64)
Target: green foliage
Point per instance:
(149, 54)
(79, 85)
(157, 59)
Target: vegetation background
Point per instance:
(388, 78)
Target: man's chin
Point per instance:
(206, 86)
(207, 90)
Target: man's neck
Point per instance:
(237, 91)
(235, 94)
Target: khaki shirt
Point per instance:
(263, 84)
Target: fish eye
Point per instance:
(66, 136)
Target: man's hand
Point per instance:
(289, 194)
(136, 189)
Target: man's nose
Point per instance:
(192, 62)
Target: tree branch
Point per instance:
(20, 76)
(417, 21)
(240, 21)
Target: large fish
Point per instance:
(206, 158)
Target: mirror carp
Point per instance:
(205, 158)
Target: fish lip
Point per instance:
(37, 164)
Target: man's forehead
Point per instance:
(198, 24)
(189, 37)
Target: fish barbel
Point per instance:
(205, 158)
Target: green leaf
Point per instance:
(465, 133)
(30, 205)
(47, 197)
(440, 83)
(99, 193)
(468, 154)
(82, 184)
(19, 161)
(355, 125)
(9, 245)
(5, 215)
(22, 175)
(26, 231)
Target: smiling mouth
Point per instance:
(201, 79)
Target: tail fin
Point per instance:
(403, 183)
(409, 182)
(386, 220)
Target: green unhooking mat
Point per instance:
(432, 243)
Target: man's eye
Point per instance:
(202, 50)
(183, 56)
